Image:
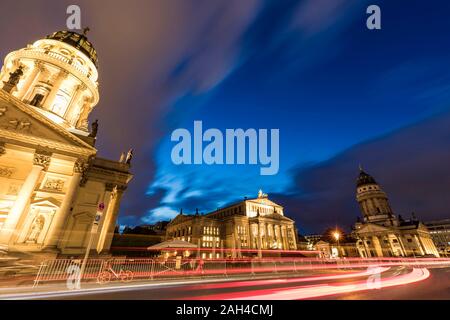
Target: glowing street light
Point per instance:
(337, 236)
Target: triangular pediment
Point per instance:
(20, 122)
(370, 227)
(180, 218)
(265, 201)
(46, 202)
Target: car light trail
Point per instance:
(308, 292)
(254, 283)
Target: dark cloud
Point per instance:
(410, 164)
(141, 46)
(152, 53)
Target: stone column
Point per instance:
(41, 162)
(294, 237)
(420, 245)
(30, 80)
(281, 236)
(71, 108)
(107, 232)
(285, 240)
(377, 246)
(55, 232)
(364, 240)
(55, 89)
(259, 241)
(238, 243)
(252, 237)
(233, 240)
(214, 246)
(400, 241)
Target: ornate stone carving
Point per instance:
(2, 150)
(13, 189)
(42, 159)
(113, 187)
(6, 172)
(35, 230)
(39, 65)
(21, 125)
(109, 186)
(14, 78)
(82, 122)
(84, 173)
(80, 166)
(94, 127)
(129, 157)
(54, 184)
(3, 110)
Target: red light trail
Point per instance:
(316, 291)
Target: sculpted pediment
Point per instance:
(370, 227)
(180, 218)
(47, 202)
(20, 122)
(265, 201)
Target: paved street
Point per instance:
(395, 283)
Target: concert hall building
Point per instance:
(246, 228)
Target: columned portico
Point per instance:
(55, 232)
(41, 162)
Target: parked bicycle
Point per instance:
(109, 273)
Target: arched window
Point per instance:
(60, 105)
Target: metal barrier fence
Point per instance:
(125, 270)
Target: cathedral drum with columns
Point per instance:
(381, 233)
(51, 181)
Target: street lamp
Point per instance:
(94, 230)
(337, 236)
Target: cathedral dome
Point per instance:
(78, 41)
(57, 76)
(364, 179)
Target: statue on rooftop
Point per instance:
(94, 127)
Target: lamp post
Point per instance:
(94, 229)
(337, 236)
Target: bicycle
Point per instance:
(106, 275)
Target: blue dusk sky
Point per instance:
(340, 95)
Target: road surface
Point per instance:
(392, 283)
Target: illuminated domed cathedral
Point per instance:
(51, 182)
(381, 233)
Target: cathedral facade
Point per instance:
(383, 234)
(252, 225)
(52, 184)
